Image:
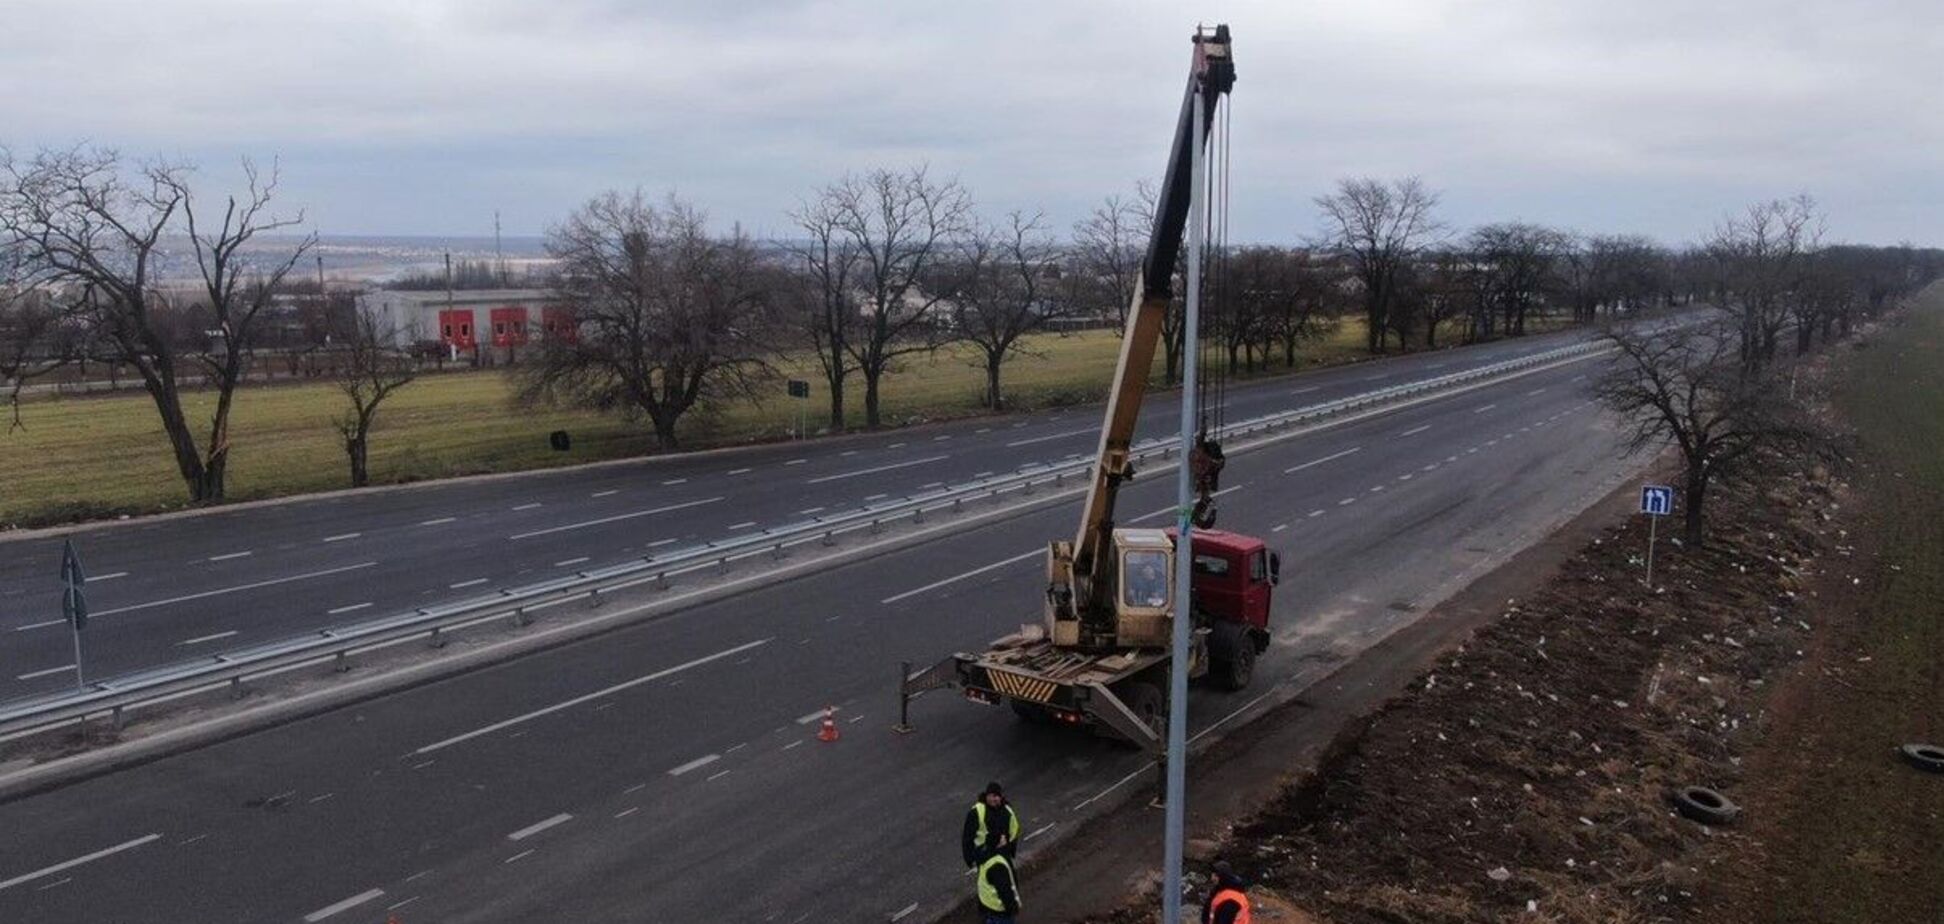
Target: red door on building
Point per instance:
(509, 326)
(557, 323)
(456, 328)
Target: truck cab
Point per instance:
(1233, 579)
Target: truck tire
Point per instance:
(1147, 701)
(1236, 667)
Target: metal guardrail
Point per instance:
(112, 695)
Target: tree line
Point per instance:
(676, 318)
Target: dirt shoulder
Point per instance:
(1528, 770)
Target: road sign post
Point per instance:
(74, 604)
(800, 390)
(1656, 501)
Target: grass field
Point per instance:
(1860, 836)
(82, 458)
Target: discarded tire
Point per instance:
(1705, 805)
(1926, 757)
(560, 441)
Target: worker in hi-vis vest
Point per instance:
(998, 888)
(988, 818)
(1227, 902)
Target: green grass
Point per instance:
(1864, 846)
(80, 458)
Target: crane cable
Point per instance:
(1214, 323)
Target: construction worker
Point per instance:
(1227, 902)
(991, 815)
(998, 889)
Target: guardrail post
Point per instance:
(520, 617)
(116, 718)
(722, 565)
(958, 505)
(236, 688)
(1028, 488)
(776, 553)
(917, 514)
(829, 538)
(340, 664)
(877, 526)
(661, 580)
(437, 639)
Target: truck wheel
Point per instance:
(1147, 702)
(1237, 668)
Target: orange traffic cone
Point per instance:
(828, 731)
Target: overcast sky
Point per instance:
(408, 116)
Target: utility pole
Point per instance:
(499, 258)
(1177, 765)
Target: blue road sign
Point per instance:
(1656, 500)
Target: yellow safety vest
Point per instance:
(989, 896)
(979, 839)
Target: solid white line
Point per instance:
(50, 671)
(438, 522)
(537, 827)
(526, 506)
(960, 577)
(342, 536)
(608, 493)
(1415, 430)
(230, 556)
(570, 561)
(876, 469)
(1481, 410)
(207, 638)
(695, 764)
(346, 609)
(1052, 436)
(1298, 468)
(614, 519)
(346, 905)
(590, 697)
(475, 582)
(77, 861)
(211, 593)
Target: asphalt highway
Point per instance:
(669, 771)
(172, 588)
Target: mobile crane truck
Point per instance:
(1100, 657)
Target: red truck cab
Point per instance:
(1233, 578)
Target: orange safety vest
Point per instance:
(1230, 895)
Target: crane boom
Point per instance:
(1082, 574)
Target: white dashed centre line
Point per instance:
(526, 506)
(346, 609)
(1332, 456)
(570, 561)
(475, 582)
(207, 593)
(615, 519)
(1415, 430)
(1481, 410)
(796, 461)
(739, 471)
(346, 905)
(674, 481)
(438, 522)
(607, 493)
(46, 673)
(230, 556)
(695, 764)
(960, 577)
(874, 470)
(207, 638)
(743, 525)
(342, 536)
(537, 827)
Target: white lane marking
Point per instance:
(796, 461)
(475, 582)
(615, 519)
(440, 521)
(1377, 377)
(539, 826)
(1535, 391)
(346, 905)
(1451, 458)
(982, 430)
(1407, 476)
(316, 799)
(340, 537)
(848, 452)
(346, 609)
(695, 764)
(590, 697)
(1051, 436)
(1431, 467)
(518, 856)
(207, 593)
(1304, 391)
(526, 506)
(1481, 410)
(1339, 455)
(963, 576)
(107, 577)
(394, 906)
(1376, 489)
(46, 673)
(895, 446)
(1346, 502)
(417, 876)
(931, 484)
(1315, 513)
(739, 471)
(808, 511)
(570, 561)
(607, 493)
(982, 474)
(716, 776)
(1039, 831)
(77, 861)
(902, 912)
(1280, 528)
(634, 789)
(661, 542)
(64, 880)
(793, 744)
(627, 811)
(1577, 378)
(245, 554)
(874, 470)
(1415, 430)
(812, 717)
(940, 439)
(743, 525)
(207, 638)
(674, 481)
(872, 497)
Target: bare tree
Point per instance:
(1378, 227)
(1759, 258)
(1522, 259)
(368, 369)
(96, 228)
(669, 318)
(1685, 385)
(826, 309)
(1002, 281)
(902, 224)
(1109, 245)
